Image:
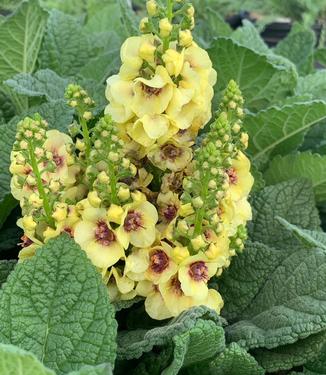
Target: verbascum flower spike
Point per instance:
(108, 165)
(79, 99)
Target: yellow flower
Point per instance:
(176, 301)
(243, 213)
(154, 303)
(170, 156)
(173, 61)
(169, 205)
(165, 27)
(119, 93)
(94, 235)
(149, 129)
(218, 250)
(185, 38)
(240, 178)
(131, 61)
(29, 246)
(194, 273)
(138, 224)
(119, 287)
(58, 144)
(152, 96)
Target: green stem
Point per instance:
(86, 136)
(113, 184)
(170, 10)
(40, 187)
(200, 213)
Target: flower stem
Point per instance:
(40, 187)
(200, 213)
(113, 184)
(86, 136)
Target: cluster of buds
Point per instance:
(158, 217)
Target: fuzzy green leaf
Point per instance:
(43, 83)
(15, 361)
(290, 301)
(6, 206)
(317, 366)
(56, 306)
(293, 201)
(65, 48)
(263, 79)
(288, 356)
(6, 266)
(298, 46)
(234, 361)
(132, 344)
(281, 130)
(248, 36)
(20, 39)
(320, 56)
(304, 165)
(313, 84)
(104, 369)
(307, 237)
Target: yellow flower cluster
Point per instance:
(158, 219)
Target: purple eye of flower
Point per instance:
(58, 160)
(170, 212)
(69, 231)
(198, 271)
(103, 234)
(170, 151)
(133, 221)
(159, 261)
(231, 172)
(176, 286)
(25, 241)
(150, 90)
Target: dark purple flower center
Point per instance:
(169, 151)
(159, 261)
(133, 221)
(170, 212)
(232, 175)
(103, 234)
(150, 90)
(198, 271)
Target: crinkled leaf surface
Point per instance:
(293, 201)
(304, 165)
(6, 266)
(313, 84)
(104, 369)
(132, 344)
(248, 36)
(308, 237)
(280, 130)
(263, 79)
(16, 361)
(65, 48)
(290, 301)
(317, 366)
(233, 361)
(288, 356)
(43, 83)
(56, 306)
(20, 39)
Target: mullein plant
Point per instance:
(158, 216)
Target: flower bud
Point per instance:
(165, 27)
(197, 202)
(54, 186)
(152, 8)
(114, 213)
(29, 223)
(103, 178)
(186, 210)
(147, 51)
(35, 200)
(244, 139)
(198, 242)
(80, 145)
(87, 115)
(94, 199)
(60, 212)
(123, 193)
(143, 25)
(183, 227)
(185, 38)
(180, 253)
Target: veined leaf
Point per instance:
(16, 361)
(43, 83)
(56, 306)
(248, 36)
(313, 84)
(290, 300)
(317, 366)
(293, 201)
(304, 165)
(6, 266)
(308, 237)
(263, 79)
(20, 39)
(288, 356)
(298, 46)
(280, 130)
(65, 48)
(320, 56)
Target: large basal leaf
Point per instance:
(290, 303)
(6, 206)
(320, 56)
(15, 361)
(288, 356)
(304, 165)
(6, 266)
(56, 306)
(293, 201)
(20, 39)
(133, 343)
(281, 130)
(263, 79)
(317, 366)
(43, 83)
(298, 46)
(65, 47)
(313, 84)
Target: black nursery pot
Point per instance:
(277, 31)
